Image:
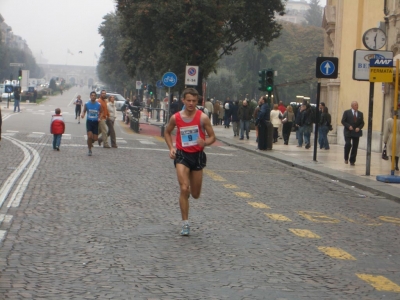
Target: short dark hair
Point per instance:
(190, 91)
(58, 111)
(93, 92)
(265, 98)
(322, 103)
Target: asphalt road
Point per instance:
(107, 226)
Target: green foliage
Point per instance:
(161, 35)
(52, 84)
(12, 55)
(293, 55)
(314, 14)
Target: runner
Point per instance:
(78, 107)
(92, 123)
(189, 158)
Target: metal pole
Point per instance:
(369, 136)
(396, 96)
(169, 96)
(317, 121)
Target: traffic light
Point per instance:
(19, 74)
(144, 86)
(261, 80)
(150, 88)
(269, 80)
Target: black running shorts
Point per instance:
(194, 161)
(92, 126)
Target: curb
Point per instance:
(377, 187)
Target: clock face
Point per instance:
(374, 39)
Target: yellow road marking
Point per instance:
(230, 171)
(305, 233)
(213, 175)
(278, 217)
(336, 253)
(380, 283)
(230, 186)
(243, 195)
(258, 205)
(317, 217)
(159, 138)
(373, 222)
(390, 219)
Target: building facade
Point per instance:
(345, 23)
(295, 12)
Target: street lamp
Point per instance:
(299, 99)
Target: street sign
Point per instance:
(8, 89)
(138, 85)
(361, 59)
(16, 64)
(381, 70)
(192, 75)
(169, 79)
(327, 67)
(159, 84)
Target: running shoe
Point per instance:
(185, 229)
(89, 153)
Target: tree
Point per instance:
(314, 14)
(161, 35)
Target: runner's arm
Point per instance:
(168, 137)
(84, 111)
(210, 132)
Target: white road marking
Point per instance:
(5, 218)
(9, 134)
(66, 136)
(2, 234)
(228, 148)
(12, 131)
(24, 182)
(42, 114)
(37, 132)
(10, 181)
(147, 143)
(73, 99)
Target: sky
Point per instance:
(56, 30)
(52, 27)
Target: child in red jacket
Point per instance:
(57, 128)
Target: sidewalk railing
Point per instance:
(157, 114)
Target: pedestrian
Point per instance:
(304, 124)
(275, 118)
(263, 118)
(324, 125)
(103, 120)
(210, 107)
(235, 118)
(244, 117)
(92, 122)
(320, 108)
(34, 95)
(221, 113)
(158, 107)
(110, 121)
(282, 109)
(57, 128)
(17, 96)
(287, 121)
(189, 157)
(174, 107)
(388, 139)
(78, 108)
(353, 122)
(216, 113)
(255, 117)
(228, 112)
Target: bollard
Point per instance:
(162, 130)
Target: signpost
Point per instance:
(192, 75)
(326, 67)
(169, 79)
(367, 66)
(8, 89)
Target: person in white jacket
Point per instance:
(110, 121)
(275, 118)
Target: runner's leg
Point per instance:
(183, 174)
(196, 181)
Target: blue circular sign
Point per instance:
(327, 67)
(159, 84)
(169, 79)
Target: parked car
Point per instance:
(119, 99)
(4, 96)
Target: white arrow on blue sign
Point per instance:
(327, 68)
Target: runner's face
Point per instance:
(190, 102)
(103, 95)
(93, 97)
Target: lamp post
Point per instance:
(299, 99)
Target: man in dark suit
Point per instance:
(353, 122)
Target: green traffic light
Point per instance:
(19, 77)
(269, 88)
